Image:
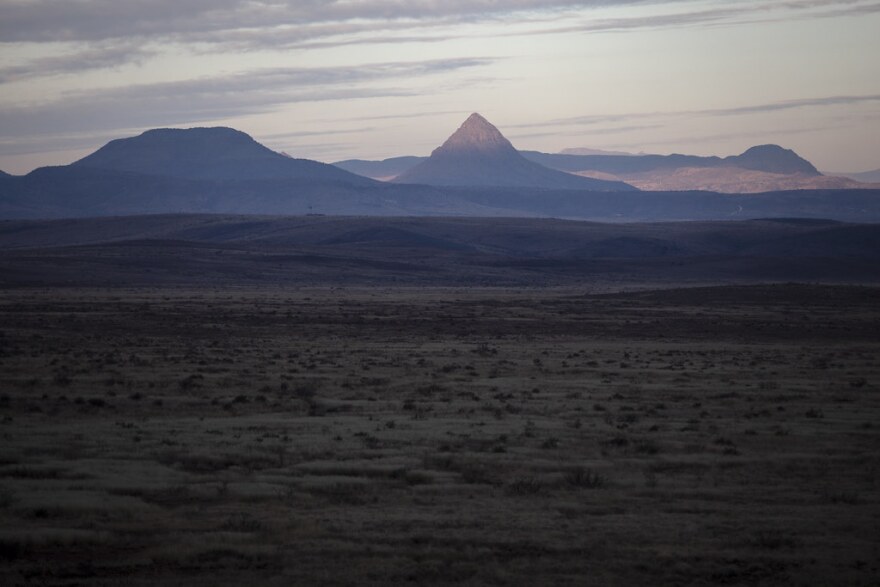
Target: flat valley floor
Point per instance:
(722, 435)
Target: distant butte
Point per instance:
(477, 154)
(214, 154)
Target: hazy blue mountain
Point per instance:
(384, 169)
(210, 154)
(591, 151)
(769, 158)
(869, 176)
(773, 159)
(763, 168)
(117, 181)
(77, 191)
(864, 176)
(477, 154)
(65, 192)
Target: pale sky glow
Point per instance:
(380, 78)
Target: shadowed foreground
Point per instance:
(685, 437)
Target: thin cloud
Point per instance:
(243, 23)
(56, 143)
(626, 24)
(90, 20)
(318, 133)
(601, 119)
(751, 137)
(217, 98)
(402, 116)
(319, 35)
(746, 13)
(102, 56)
(218, 26)
(790, 104)
(601, 131)
(96, 20)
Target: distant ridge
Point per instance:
(767, 158)
(217, 154)
(384, 170)
(762, 168)
(477, 154)
(590, 151)
(233, 249)
(865, 176)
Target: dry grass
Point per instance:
(439, 436)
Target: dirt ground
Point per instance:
(381, 436)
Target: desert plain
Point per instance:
(439, 435)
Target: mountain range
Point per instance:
(477, 154)
(758, 169)
(865, 176)
(762, 168)
(477, 172)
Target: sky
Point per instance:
(332, 80)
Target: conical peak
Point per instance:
(476, 134)
(476, 120)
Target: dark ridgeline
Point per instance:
(477, 154)
(215, 249)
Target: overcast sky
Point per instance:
(332, 80)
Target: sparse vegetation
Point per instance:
(439, 436)
(583, 478)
